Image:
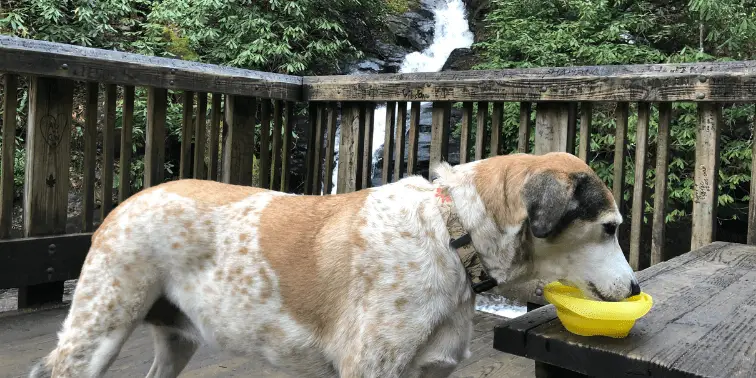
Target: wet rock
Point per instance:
(461, 59)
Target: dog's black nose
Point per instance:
(634, 288)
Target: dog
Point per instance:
(362, 284)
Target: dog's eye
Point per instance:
(610, 228)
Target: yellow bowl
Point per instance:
(586, 317)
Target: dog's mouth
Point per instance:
(595, 291)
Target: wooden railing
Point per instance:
(561, 98)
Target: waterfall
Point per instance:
(451, 31)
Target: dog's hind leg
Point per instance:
(175, 339)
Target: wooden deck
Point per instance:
(27, 337)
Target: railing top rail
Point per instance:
(715, 81)
(33, 57)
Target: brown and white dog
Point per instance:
(363, 284)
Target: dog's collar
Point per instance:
(461, 241)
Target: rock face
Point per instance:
(462, 59)
(476, 11)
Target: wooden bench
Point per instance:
(703, 324)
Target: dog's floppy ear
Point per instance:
(547, 198)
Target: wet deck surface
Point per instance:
(27, 337)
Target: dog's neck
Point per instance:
(502, 252)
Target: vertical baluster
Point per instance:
(552, 123)
(108, 141)
(620, 148)
(10, 102)
(481, 135)
(239, 146)
(90, 149)
(586, 120)
(276, 161)
(154, 167)
(464, 134)
(214, 140)
(287, 146)
(497, 118)
(331, 146)
(367, 153)
(265, 117)
(414, 138)
(127, 125)
(186, 135)
(523, 137)
(639, 187)
(401, 128)
(706, 174)
(199, 136)
(439, 148)
(388, 142)
(660, 184)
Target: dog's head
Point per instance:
(567, 222)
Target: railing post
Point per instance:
(48, 151)
(413, 138)
(200, 128)
(266, 115)
(185, 163)
(552, 121)
(639, 187)
(351, 147)
(523, 140)
(331, 118)
(620, 148)
(464, 136)
(660, 184)
(706, 175)
(239, 146)
(90, 150)
(108, 141)
(439, 148)
(388, 142)
(124, 189)
(154, 155)
(367, 153)
(399, 145)
(586, 120)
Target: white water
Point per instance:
(451, 31)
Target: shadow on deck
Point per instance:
(30, 336)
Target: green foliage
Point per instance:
(551, 33)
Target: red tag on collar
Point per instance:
(441, 193)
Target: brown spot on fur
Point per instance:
(266, 290)
(400, 303)
(313, 263)
(413, 265)
(176, 245)
(116, 283)
(405, 234)
(243, 250)
(243, 237)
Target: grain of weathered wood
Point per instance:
(46, 182)
(187, 111)
(441, 125)
(266, 114)
(127, 125)
(10, 102)
(287, 145)
(465, 135)
(572, 127)
(309, 167)
(401, 132)
(388, 142)
(497, 118)
(278, 114)
(331, 118)
(154, 156)
(621, 115)
(239, 146)
(706, 175)
(523, 136)
(699, 325)
(43, 58)
(90, 150)
(367, 153)
(551, 127)
(481, 135)
(660, 184)
(586, 120)
(108, 149)
(214, 140)
(413, 138)
(319, 146)
(200, 130)
(351, 148)
(639, 187)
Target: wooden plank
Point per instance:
(187, 111)
(497, 118)
(214, 142)
(46, 184)
(309, 168)
(413, 138)
(586, 121)
(552, 120)
(465, 137)
(127, 125)
(401, 132)
(367, 152)
(278, 114)
(351, 147)
(200, 129)
(481, 135)
(572, 126)
(318, 152)
(8, 155)
(40, 260)
(703, 300)
(154, 156)
(90, 150)
(639, 187)
(239, 146)
(523, 136)
(706, 175)
(620, 147)
(388, 142)
(660, 184)
(331, 115)
(108, 140)
(266, 115)
(107, 66)
(439, 148)
(707, 82)
(288, 145)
